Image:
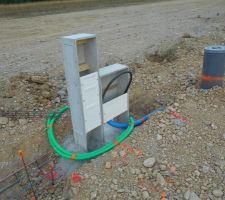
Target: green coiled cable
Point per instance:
(87, 155)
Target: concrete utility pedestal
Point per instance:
(85, 83)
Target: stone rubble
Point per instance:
(149, 162)
(180, 156)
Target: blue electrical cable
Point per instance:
(137, 122)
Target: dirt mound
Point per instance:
(28, 90)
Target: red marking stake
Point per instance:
(178, 116)
(76, 177)
(52, 175)
(163, 196)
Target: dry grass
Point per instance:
(165, 54)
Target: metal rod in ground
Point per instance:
(21, 155)
(52, 174)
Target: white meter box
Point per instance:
(85, 84)
(91, 101)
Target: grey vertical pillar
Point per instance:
(213, 67)
(82, 78)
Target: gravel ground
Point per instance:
(180, 152)
(124, 33)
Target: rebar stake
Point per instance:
(21, 156)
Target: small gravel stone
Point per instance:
(224, 136)
(218, 193)
(120, 191)
(214, 127)
(207, 123)
(115, 181)
(4, 120)
(176, 104)
(196, 173)
(133, 193)
(94, 195)
(190, 196)
(39, 79)
(145, 194)
(62, 93)
(11, 124)
(22, 121)
(114, 187)
(120, 169)
(56, 100)
(194, 196)
(162, 167)
(150, 162)
(122, 153)
(137, 171)
(159, 137)
(93, 177)
(133, 171)
(174, 137)
(160, 179)
(46, 94)
(205, 169)
(108, 165)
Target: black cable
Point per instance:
(116, 77)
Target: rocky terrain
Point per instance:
(179, 153)
(124, 34)
(26, 99)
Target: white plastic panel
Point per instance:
(115, 107)
(91, 101)
(111, 69)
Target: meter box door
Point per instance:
(82, 77)
(115, 102)
(115, 107)
(91, 101)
